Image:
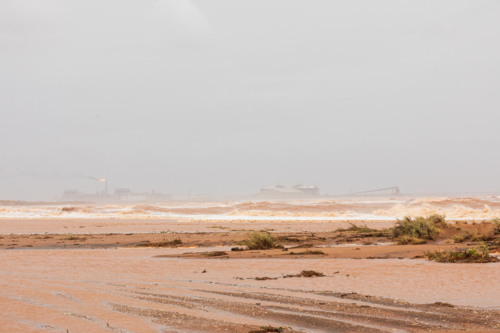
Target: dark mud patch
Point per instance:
(215, 254)
(265, 278)
(306, 274)
(309, 252)
(269, 329)
(448, 305)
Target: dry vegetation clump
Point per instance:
(308, 252)
(473, 235)
(75, 238)
(261, 240)
(68, 209)
(42, 237)
(268, 329)
(215, 254)
(496, 222)
(305, 274)
(265, 278)
(409, 240)
(413, 231)
(173, 243)
(287, 239)
(448, 305)
(438, 221)
(303, 246)
(365, 231)
(466, 256)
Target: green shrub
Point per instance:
(471, 255)
(419, 227)
(458, 239)
(364, 231)
(484, 249)
(497, 225)
(409, 240)
(261, 240)
(473, 235)
(438, 221)
(472, 252)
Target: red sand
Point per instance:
(86, 226)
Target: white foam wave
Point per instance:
(298, 210)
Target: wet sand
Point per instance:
(87, 280)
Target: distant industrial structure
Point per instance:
(383, 192)
(280, 192)
(123, 195)
(309, 190)
(120, 195)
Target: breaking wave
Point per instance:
(335, 209)
(452, 213)
(290, 214)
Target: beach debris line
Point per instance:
(308, 252)
(306, 274)
(172, 243)
(215, 254)
(268, 329)
(265, 278)
(448, 305)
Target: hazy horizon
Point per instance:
(226, 96)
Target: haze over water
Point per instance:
(223, 97)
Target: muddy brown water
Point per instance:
(132, 290)
(44, 290)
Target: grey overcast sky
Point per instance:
(225, 96)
